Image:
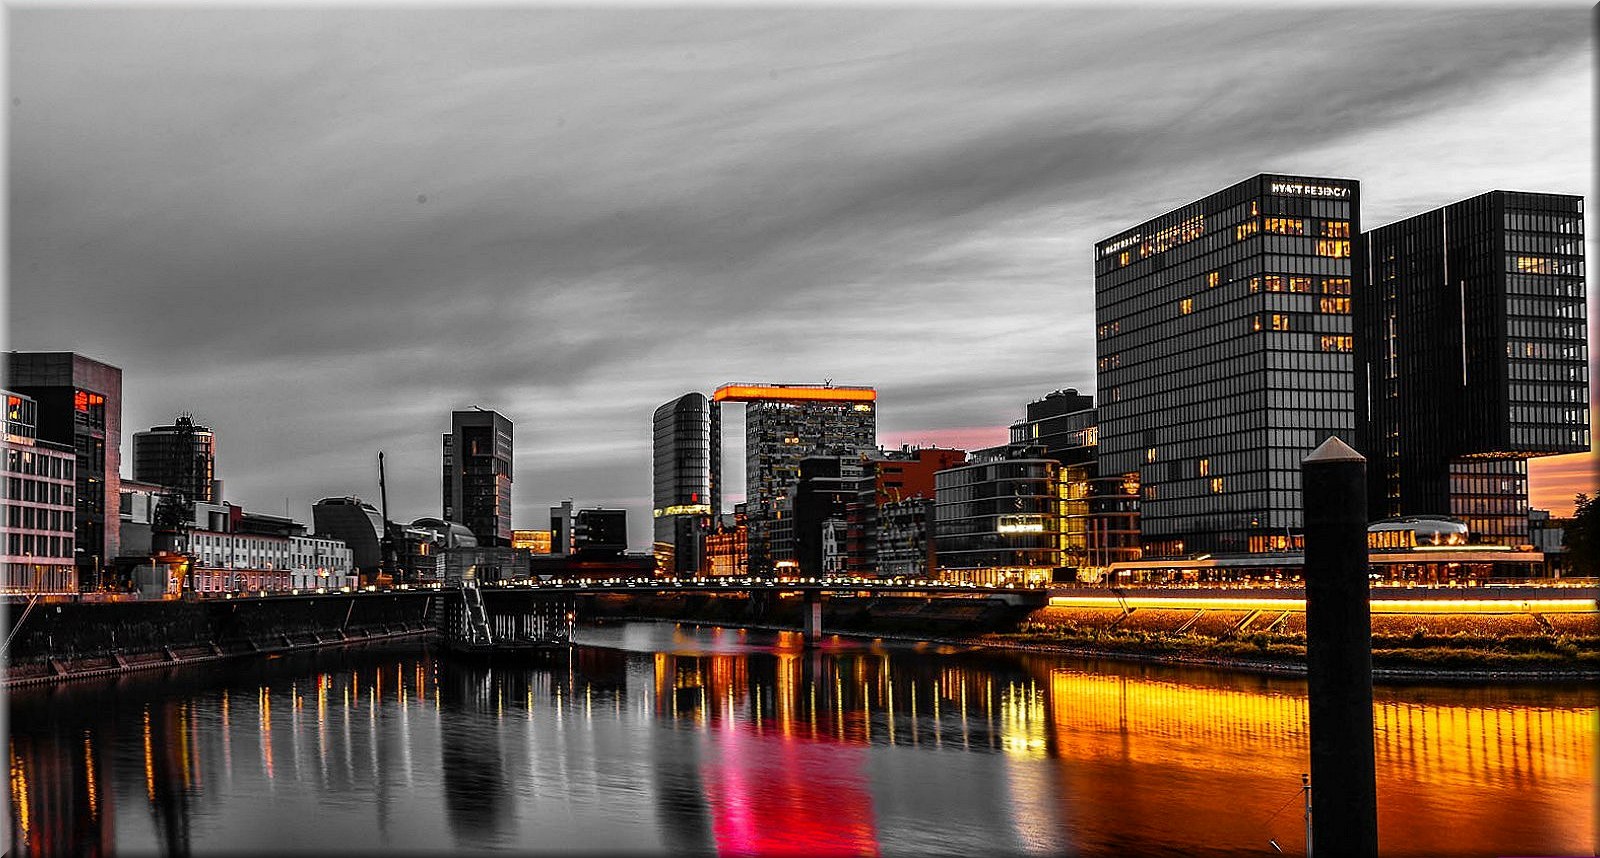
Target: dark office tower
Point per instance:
(181, 457)
(784, 423)
(1472, 356)
(683, 480)
(1225, 357)
(80, 404)
(477, 475)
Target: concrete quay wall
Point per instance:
(57, 640)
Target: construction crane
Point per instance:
(387, 566)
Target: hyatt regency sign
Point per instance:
(1297, 189)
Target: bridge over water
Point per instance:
(526, 612)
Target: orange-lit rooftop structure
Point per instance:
(792, 393)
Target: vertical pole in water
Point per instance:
(1339, 652)
(1305, 787)
(811, 622)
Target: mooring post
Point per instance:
(811, 622)
(1344, 793)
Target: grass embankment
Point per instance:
(1419, 650)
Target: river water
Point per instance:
(654, 738)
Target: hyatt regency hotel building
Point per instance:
(1225, 355)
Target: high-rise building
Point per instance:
(477, 475)
(1473, 358)
(1225, 356)
(80, 405)
(180, 457)
(1100, 523)
(783, 424)
(38, 506)
(683, 481)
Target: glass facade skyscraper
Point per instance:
(1473, 357)
(683, 480)
(477, 475)
(1224, 356)
(783, 424)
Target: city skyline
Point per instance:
(321, 231)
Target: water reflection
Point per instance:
(699, 741)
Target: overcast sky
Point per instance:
(321, 230)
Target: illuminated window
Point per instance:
(1205, 467)
(1334, 305)
(1254, 209)
(1246, 229)
(1186, 306)
(1536, 265)
(1336, 249)
(1336, 285)
(1173, 236)
(1255, 322)
(1333, 343)
(1274, 283)
(1150, 455)
(1284, 225)
(1213, 279)
(1280, 322)
(1216, 485)
(1336, 228)
(1255, 284)
(1279, 542)
(1299, 284)
(1123, 258)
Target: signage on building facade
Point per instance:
(1301, 189)
(684, 509)
(1120, 244)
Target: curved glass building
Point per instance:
(682, 481)
(182, 456)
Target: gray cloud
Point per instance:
(322, 229)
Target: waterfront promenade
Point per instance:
(62, 638)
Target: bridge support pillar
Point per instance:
(811, 619)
